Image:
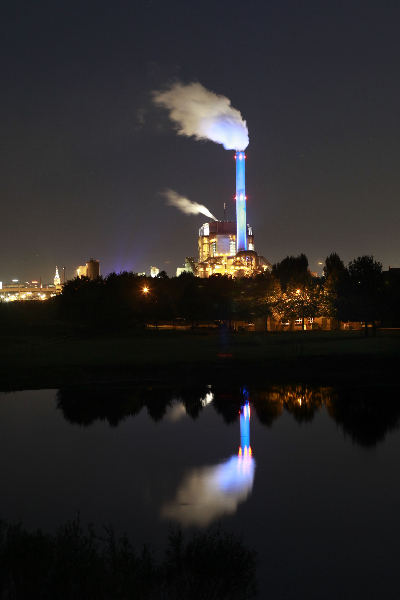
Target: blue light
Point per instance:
(241, 226)
(245, 427)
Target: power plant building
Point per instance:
(217, 252)
(218, 238)
(227, 247)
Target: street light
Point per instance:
(145, 290)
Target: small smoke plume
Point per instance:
(204, 115)
(186, 205)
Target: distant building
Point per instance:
(81, 271)
(90, 270)
(93, 269)
(57, 279)
(190, 267)
(154, 271)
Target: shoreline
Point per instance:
(34, 362)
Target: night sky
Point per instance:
(85, 155)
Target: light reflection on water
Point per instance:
(207, 493)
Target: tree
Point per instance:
(292, 270)
(334, 267)
(299, 302)
(365, 292)
(336, 279)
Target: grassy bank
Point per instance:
(37, 360)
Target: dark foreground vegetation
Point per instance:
(78, 563)
(96, 330)
(360, 292)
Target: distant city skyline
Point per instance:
(86, 155)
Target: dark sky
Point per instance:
(84, 155)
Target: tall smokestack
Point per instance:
(241, 225)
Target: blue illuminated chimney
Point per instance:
(241, 225)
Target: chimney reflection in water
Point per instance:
(207, 493)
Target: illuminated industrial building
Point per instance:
(90, 270)
(227, 247)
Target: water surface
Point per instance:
(308, 475)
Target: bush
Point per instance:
(76, 563)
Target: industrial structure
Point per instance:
(227, 247)
(90, 270)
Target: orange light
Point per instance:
(240, 451)
(250, 451)
(145, 290)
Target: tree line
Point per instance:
(360, 291)
(361, 412)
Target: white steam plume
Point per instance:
(186, 205)
(204, 115)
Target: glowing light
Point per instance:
(241, 224)
(145, 290)
(209, 397)
(245, 427)
(207, 493)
